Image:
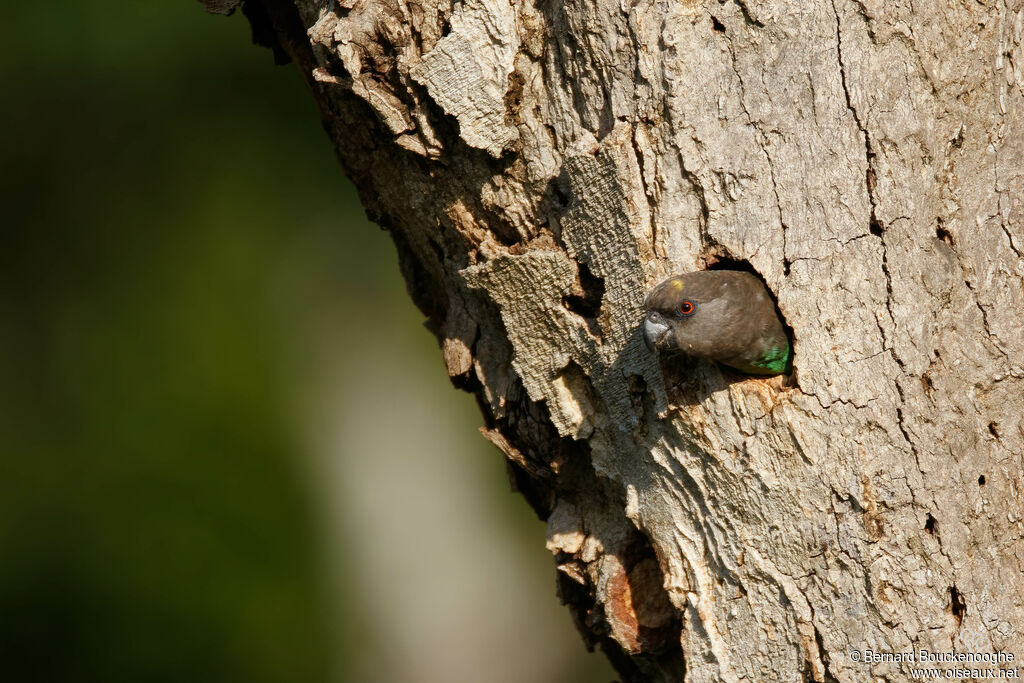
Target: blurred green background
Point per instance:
(230, 451)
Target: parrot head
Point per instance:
(677, 314)
(721, 315)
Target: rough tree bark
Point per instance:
(541, 164)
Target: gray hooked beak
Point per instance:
(655, 329)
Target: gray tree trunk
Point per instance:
(540, 166)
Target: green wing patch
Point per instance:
(776, 359)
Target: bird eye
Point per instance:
(686, 308)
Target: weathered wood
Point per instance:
(541, 166)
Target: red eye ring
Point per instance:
(686, 308)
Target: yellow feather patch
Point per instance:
(677, 285)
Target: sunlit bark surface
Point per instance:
(540, 166)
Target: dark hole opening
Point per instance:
(981, 480)
(929, 525)
(717, 25)
(585, 299)
(957, 604)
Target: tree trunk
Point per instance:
(541, 166)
